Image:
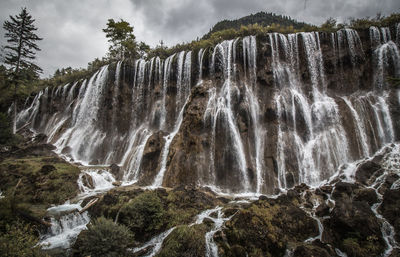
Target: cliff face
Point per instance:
(252, 115)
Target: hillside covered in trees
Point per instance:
(260, 18)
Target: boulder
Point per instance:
(366, 171)
(116, 171)
(309, 250)
(322, 210)
(390, 209)
(353, 227)
(368, 195)
(266, 227)
(46, 169)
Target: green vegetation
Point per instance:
(265, 228)
(21, 47)
(356, 247)
(6, 135)
(264, 19)
(379, 21)
(18, 240)
(395, 82)
(104, 238)
(123, 41)
(143, 214)
(43, 181)
(20, 51)
(185, 241)
(182, 207)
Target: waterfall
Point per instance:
(168, 140)
(167, 72)
(319, 144)
(271, 117)
(200, 62)
(398, 34)
(385, 56)
(249, 57)
(184, 71)
(93, 181)
(375, 36)
(354, 41)
(360, 132)
(220, 110)
(64, 231)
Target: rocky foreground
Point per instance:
(356, 213)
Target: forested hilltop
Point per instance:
(261, 18)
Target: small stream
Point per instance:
(68, 220)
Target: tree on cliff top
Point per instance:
(20, 50)
(123, 41)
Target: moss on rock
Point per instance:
(185, 241)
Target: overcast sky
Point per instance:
(72, 30)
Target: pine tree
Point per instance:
(20, 51)
(123, 41)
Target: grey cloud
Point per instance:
(73, 36)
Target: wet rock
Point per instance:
(292, 193)
(208, 222)
(40, 138)
(186, 157)
(46, 169)
(230, 211)
(151, 158)
(116, 171)
(117, 183)
(368, 195)
(390, 179)
(395, 253)
(66, 150)
(366, 170)
(266, 227)
(343, 189)
(327, 189)
(87, 181)
(322, 210)
(309, 250)
(390, 209)
(301, 188)
(353, 227)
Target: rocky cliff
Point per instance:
(251, 115)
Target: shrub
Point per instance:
(185, 241)
(6, 135)
(19, 240)
(143, 214)
(103, 238)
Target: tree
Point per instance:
(20, 51)
(104, 238)
(123, 41)
(329, 25)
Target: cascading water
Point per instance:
(69, 219)
(64, 230)
(219, 111)
(249, 58)
(318, 142)
(200, 62)
(271, 119)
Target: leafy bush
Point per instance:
(143, 214)
(185, 241)
(6, 135)
(19, 240)
(103, 238)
